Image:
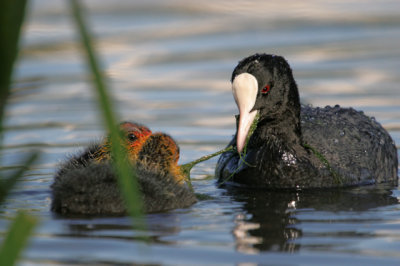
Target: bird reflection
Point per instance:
(269, 220)
(245, 241)
(158, 226)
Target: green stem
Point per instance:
(185, 168)
(336, 176)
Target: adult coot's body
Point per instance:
(296, 146)
(87, 184)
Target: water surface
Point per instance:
(169, 65)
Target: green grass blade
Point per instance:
(127, 181)
(7, 184)
(11, 17)
(12, 13)
(16, 238)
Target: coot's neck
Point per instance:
(286, 127)
(283, 127)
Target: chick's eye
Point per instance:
(266, 89)
(132, 137)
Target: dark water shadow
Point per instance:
(270, 220)
(158, 225)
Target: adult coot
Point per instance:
(87, 184)
(294, 146)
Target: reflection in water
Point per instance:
(271, 220)
(158, 226)
(245, 241)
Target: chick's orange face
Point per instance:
(161, 152)
(171, 148)
(172, 155)
(136, 135)
(156, 150)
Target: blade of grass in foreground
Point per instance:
(12, 13)
(11, 17)
(6, 184)
(16, 238)
(127, 181)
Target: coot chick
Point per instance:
(87, 184)
(299, 147)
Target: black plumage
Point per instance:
(296, 147)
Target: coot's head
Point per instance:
(156, 151)
(161, 152)
(263, 83)
(135, 135)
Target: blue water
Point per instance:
(169, 65)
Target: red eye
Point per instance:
(266, 89)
